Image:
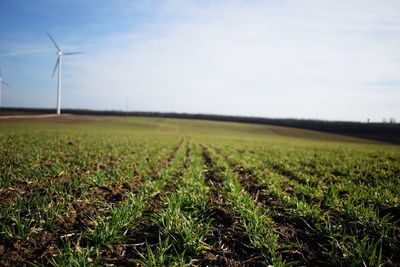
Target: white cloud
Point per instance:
(273, 59)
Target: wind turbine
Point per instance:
(60, 54)
(1, 84)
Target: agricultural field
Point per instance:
(87, 191)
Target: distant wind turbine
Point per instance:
(60, 54)
(1, 84)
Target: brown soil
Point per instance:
(392, 212)
(8, 196)
(42, 243)
(111, 193)
(16, 252)
(163, 163)
(18, 113)
(115, 193)
(291, 175)
(66, 118)
(187, 156)
(304, 244)
(229, 243)
(300, 246)
(147, 233)
(78, 218)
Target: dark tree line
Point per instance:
(389, 132)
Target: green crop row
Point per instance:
(346, 219)
(164, 192)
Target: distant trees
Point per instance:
(388, 131)
(390, 120)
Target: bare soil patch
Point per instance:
(78, 217)
(9, 196)
(66, 118)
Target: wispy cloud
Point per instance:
(277, 58)
(265, 58)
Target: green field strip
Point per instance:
(111, 230)
(62, 208)
(50, 158)
(64, 190)
(338, 203)
(340, 196)
(99, 172)
(149, 166)
(344, 167)
(79, 166)
(383, 198)
(348, 185)
(294, 244)
(82, 193)
(357, 239)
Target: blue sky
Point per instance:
(336, 60)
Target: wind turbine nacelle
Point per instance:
(59, 53)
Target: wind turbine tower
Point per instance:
(60, 54)
(1, 84)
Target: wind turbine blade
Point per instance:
(72, 53)
(0, 73)
(6, 83)
(55, 67)
(53, 41)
